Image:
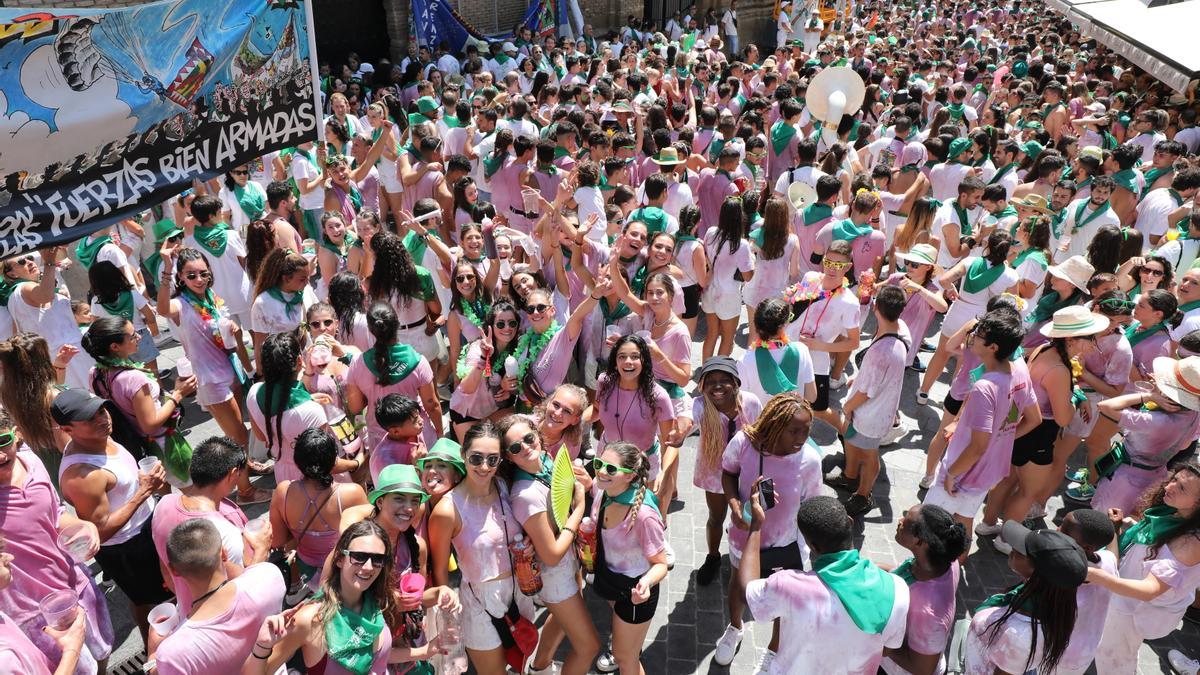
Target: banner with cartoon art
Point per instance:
(106, 112)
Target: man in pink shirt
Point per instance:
(714, 187)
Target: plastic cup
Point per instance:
(1144, 386)
(147, 464)
(529, 200)
(164, 618)
(58, 609)
(70, 541)
(644, 334)
(612, 332)
(256, 525)
(226, 328)
(412, 588)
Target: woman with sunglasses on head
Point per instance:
(776, 448)
(631, 558)
(347, 627)
(554, 546)
(485, 386)
(281, 296)
(1139, 275)
(476, 518)
(631, 406)
(391, 367)
(32, 297)
(541, 351)
(470, 303)
(1159, 546)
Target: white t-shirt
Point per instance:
(805, 174)
(304, 169)
(1077, 242)
(1152, 212)
(827, 639)
(230, 280)
(826, 320)
(881, 378)
(270, 316)
(1009, 651)
(591, 200)
(948, 215)
(748, 371)
(728, 22)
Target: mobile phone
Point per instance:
(766, 493)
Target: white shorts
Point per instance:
(724, 303)
(561, 581)
(389, 179)
(481, 602)
(428, 346)
(213, 393)
(966, 503)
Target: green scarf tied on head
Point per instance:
(87, 251)
(980, 275)
(400, 362)
(122, 306)
(289, 398)
(350, 637)
(782, 134)
(866, 591)
(213, 238)
(1158, 524)
(848, 230)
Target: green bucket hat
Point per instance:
(1032, 149)
(398, 479)
(165, 229)
(426, 105)
(445, 450)
(957, 147)
(1020, 69)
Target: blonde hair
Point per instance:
(712, 431)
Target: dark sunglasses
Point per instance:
(507, 323)
(192, 276)
(527, 439)
(611, 469)
(538, 309)
(464, 277)
(240, 173)
(1153, 272)
(321, 323)
(914, 265)
(479, 459)
(23, 260)
(360, 558)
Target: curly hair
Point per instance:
(395, 277)
(765, 432)
(645, 381)
(1156, 496)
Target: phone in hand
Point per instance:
(766, 493)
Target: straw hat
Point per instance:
(1075, 321)
(1036, 203)
(668, 156)
(1076, 270)
(919, 253)
(1179, 380)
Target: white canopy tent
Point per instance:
(1161, 40)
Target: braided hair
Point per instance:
(778, 412)
(279, 355)
(395, 276)
(383, 324)
(633, 458)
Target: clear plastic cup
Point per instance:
(256, 525)
(72, 543)
(58, 609)
(1144, 386)
(147, 464)
(164, 618)
(644, 334)
(529, 200)
(612, 332)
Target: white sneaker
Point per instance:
(1182, 664)
(985, 530)
(838, 383)
(1001, 546)
(764, 662)
(927, 481)
(670, 551)
(554, 668)
(727, 646)
(606, 663)
(893, 435)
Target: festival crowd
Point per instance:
(458, 330)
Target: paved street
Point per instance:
(691, 618)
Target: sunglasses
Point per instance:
(538, 309)
(1153, 272)
(611, 469)
(479, 459)
(240, 173)
(463, 278)
(133, 336)
(25, 259)
(914, 265)
(360, 558)
(6, 439)
(525, 440)
(834, 265)
(321, 323)
(507, 323)
(192, 276)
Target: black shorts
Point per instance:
(623, 606)
(1037, 446)
(691, 301)
(951, 405)
(133, 566)
(822, 402)
(459, 418)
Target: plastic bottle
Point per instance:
(183, 367)
(449, 632)
(586, 544)
(866, 286)
(510, 366)
(529, 577)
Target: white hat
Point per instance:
(1076, 270)
(919, 253)
(508, 47)
(1074, 321)
(1179, 380)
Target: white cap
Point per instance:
(508, 47)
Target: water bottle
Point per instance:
(510, 366)
(529, 577)
(449, 632)
(183, 367)
(586, 544)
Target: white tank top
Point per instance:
(124, 467)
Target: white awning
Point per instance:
(1161, 40)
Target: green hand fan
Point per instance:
(562, 486)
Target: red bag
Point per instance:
(518, 636)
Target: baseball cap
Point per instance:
(75, 405)
(1055, 556)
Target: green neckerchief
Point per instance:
(501, 58)
(1001, 172)
(493, 163)
(1189, 306)
(1126, 179)
(207, 303)
(674, 391)
(638, 283)
(417, 245)
(295, 303)
(1006, 212)
(347, 244)
(1108, 141)
(1176, 197)
(1135, 333)
(123, 306)
(252, 199)
(548, 169)
(629, 498)
(289, 398)
(964, 221)
(1158, 524)
(1006, 599)
(904, 571)
(782, 134)
(957, 110)
(612, 315)
(1038, 255)
(654, 218)
(1151, 176)
(400, 362)
(1056, 222)
(866, 591)
(816, 212)
(417, 119)
(774, 376)
(1049, 108)
(86, 252)
(1050, 303)
(980, 275)
(542, 476)
(452, 121)
(213, 238)
(848, 230)
(350, 637)
(1091, 216)
(125, 364)
(6, 291)
(715, 146)
(753, 169)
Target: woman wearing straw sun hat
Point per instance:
(1066, 286)
(924, 297)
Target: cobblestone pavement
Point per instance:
(691, 618)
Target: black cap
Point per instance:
(720, 364)
(75, 405)
(1055, 556)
